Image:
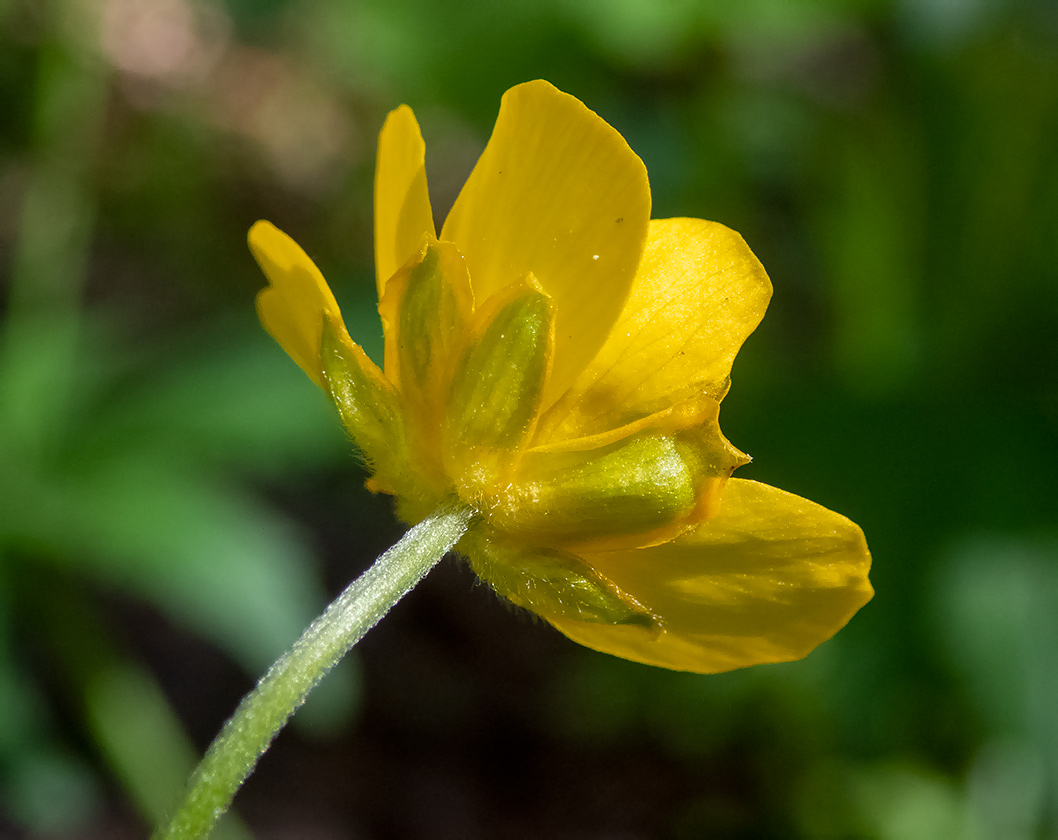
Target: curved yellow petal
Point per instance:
(402, 202)
(558, 193)
(767, 579)
(291, 309)
(698, 293)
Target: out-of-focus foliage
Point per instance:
(175, 501)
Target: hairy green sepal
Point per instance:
(498, 382)
(435, 301)
(370, 408)
(633, 486)
(550, 583)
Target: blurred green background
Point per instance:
(177, 500)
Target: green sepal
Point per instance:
(631, 487)
(498, 382)
(370, 408)
(550, 583)
(430, 302)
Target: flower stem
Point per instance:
(263, 712)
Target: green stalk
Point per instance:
(263, 712)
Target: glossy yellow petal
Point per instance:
(698, 293)
(767, 579)
(293, 305)
(402, 202)
(559, 194)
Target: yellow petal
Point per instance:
(293, 305)
(767, 579)
(558, 193)
(698, 294)
(402, 202)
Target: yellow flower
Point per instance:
(556, 360)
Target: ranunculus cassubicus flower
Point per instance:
(555, 359)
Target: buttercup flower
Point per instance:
(556, 360)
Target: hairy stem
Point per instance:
(263, 712)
